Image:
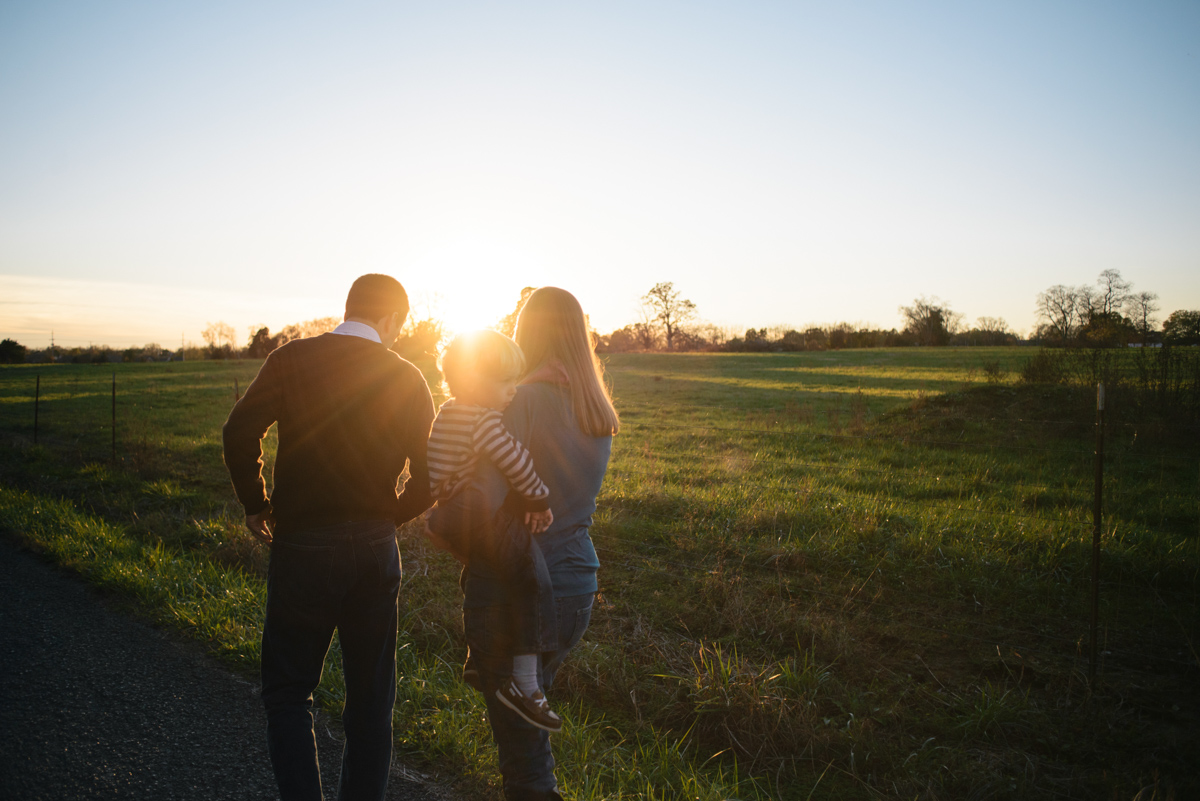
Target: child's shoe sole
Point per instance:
(552, 724)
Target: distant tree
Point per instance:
(1142, 307)
(1107, 330)
(1114, 291)
(988, 332)
(815, 339)
(714, 336)
(1182, 328)
(930, 321)
(507, 324)
(420, 340)
(1092, 315)
(619, 341)
(633, 337)
(1059, 307)
(792, 341)
(262, 343)
(220, 338)
(756, 340)
(647, 330)
(308, 328)
(665, 307)
(992, 325)
(12, 352)
(218, 334)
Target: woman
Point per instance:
(563, 414)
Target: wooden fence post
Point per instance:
(114, 417)
(1097, 508)
(37, 397)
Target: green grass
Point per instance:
(858, 574)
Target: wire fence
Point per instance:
(657, 493)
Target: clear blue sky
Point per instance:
(163, 165)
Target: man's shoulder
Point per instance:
(405, 370)
(340, 346)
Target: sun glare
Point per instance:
(471, 284)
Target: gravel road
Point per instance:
(97, 704)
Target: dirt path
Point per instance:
(97, 704)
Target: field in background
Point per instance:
(854, 574)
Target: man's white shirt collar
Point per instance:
(352, 329)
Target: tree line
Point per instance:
(1107, 314)
(1110, 314)
(668, 321)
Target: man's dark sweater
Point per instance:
(350, 414)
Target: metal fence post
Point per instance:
(114, 417)
(37, 397)
(237, 393)
(1097, 507)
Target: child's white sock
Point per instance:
(525, 673)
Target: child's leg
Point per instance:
(526, 674)
(514, 556)
(458, 519)
(517, 559)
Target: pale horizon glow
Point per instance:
(783, 164)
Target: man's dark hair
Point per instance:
(375, 295)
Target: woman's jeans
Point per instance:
(344, 577)
(526, 763)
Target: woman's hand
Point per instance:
(539, 521)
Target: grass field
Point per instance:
(856, 574)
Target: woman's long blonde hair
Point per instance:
(552, 326)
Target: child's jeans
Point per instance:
(502, 541)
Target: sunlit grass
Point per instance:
(829, 575)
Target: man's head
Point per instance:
(379, 301)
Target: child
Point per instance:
(481, 370)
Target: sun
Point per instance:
(461, 309)
(470, 285)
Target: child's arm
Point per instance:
(514, 461)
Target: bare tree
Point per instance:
(1059, 307)
(1114, 292)
(1142, 307)
(930, 321)
(664, 306)
(308, 328)
(992, 325)
(218, 334)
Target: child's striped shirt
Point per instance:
(461, 435)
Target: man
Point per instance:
(351, 415)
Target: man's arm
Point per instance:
(242, 438)
(416, 496)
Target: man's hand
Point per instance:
(260, 525)
(539, 521)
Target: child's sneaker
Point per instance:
(534, 709)
(471, 677)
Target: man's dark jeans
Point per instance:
(344, 577)
(526, 763)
